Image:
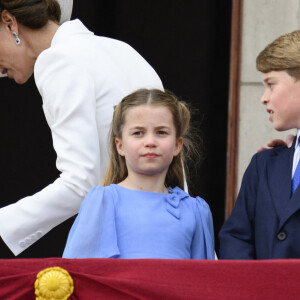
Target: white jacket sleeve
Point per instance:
(70, 108)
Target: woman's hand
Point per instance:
(277, 143)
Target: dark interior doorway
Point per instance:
(187, 43)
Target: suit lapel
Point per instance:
(280, 182)
(293, 204)
(279, 179)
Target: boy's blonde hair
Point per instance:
(283, 54)
(117, 170)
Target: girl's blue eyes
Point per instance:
(161, 132)
(139, 133)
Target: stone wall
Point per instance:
(263, 21)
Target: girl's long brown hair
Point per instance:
(117, 170)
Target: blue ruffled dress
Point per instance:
(116, 222)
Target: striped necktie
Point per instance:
(296, 177)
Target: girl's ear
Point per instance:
(119, 146)
(9, 21)
(178, 146)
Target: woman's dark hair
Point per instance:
(33, 14)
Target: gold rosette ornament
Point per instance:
(53, 283)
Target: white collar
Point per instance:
(68, 29)
(297, 140)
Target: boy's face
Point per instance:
(282, 99)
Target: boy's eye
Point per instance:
(270, 84)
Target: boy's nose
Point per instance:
(265, 98)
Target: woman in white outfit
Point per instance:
(80, 77)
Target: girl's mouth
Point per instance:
(150, 155)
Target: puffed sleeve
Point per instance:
(93, 233)
(203, 241)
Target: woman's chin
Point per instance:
(19, 79)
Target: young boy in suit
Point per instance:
(265, 222)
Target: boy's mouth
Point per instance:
(270, 111)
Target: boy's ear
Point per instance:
(119, 146)
(9, 21)
(178, 146)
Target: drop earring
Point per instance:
(18, 41)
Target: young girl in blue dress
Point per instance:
(141, 211)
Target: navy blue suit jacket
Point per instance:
(265, 222)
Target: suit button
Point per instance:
(281, 236)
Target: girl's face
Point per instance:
(14, 61)
(282, 99)
(148, 140)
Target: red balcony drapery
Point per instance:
(158, 279)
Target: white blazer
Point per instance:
(80, 78)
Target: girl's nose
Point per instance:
(150, 141)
